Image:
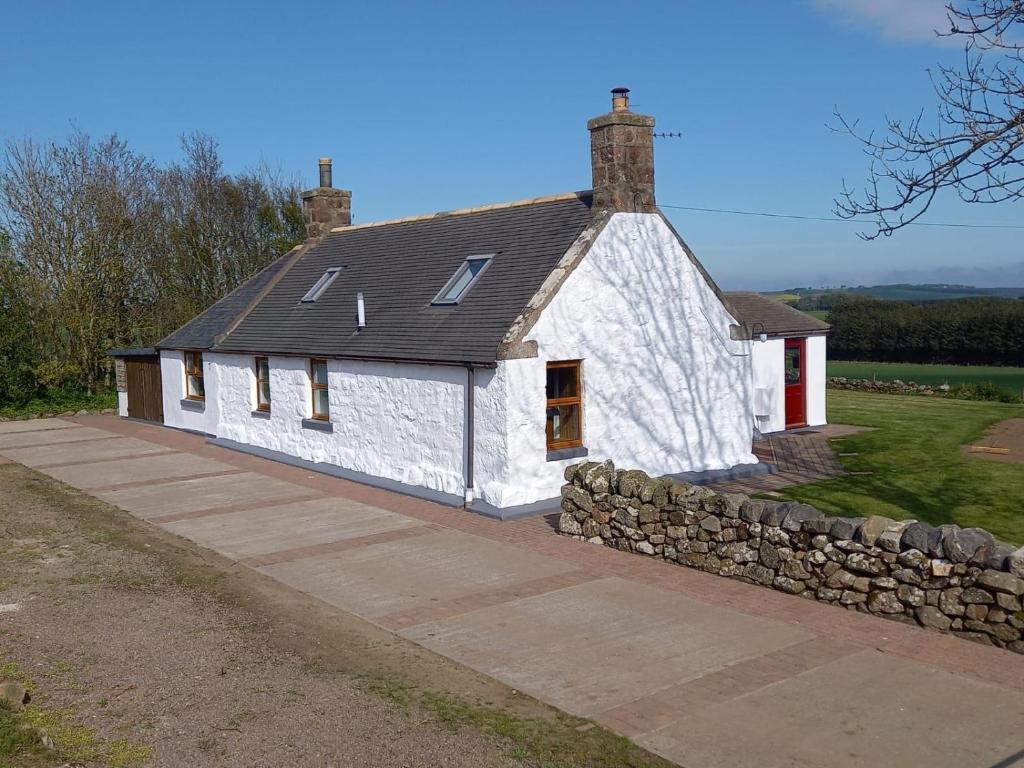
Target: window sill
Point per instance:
(568, 453)
(257, 414)
(317, 425)
(199, 406)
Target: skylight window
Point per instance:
(321, 285)
(465, 277)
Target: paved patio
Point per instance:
(801, 455)
(703, 670)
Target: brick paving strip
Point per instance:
(329, 547)
(661, 709)
(703, 670)
(458, 606)
(62, 464)
(158, 481)
(196, 514)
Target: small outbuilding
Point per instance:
(139, 389)
(788, 362)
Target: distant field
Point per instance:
(903, 292)
(1010, 379)
(821, 314)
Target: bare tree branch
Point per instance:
(977, 146)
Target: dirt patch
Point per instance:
(1007, 440)
(142, 648)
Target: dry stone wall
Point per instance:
(947, 578)
(894, 387)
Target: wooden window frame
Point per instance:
(194, 373)
(315, 387)
(577, 400)
(260, 405)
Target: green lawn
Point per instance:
(1009, 379)
(913, 465)
(821, 314)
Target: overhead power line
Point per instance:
(833, 219)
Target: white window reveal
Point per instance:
(321, 285)
(465, 277)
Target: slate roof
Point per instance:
(201, 331)
(759, 312)
(399, 268)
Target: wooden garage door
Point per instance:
(145, 397)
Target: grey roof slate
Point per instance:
(776, 318)
(201, 331)
(399, 268)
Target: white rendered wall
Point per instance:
(122, 403)
(391, 420)
(770, 374)
(816, 380)
(172, 380)
(769, 358)
(665, 389)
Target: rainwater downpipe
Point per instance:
(470, 403)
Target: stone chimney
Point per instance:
(622, 156)
(326, 207)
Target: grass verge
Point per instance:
(562, 742)
(911, 466)
(21, 734)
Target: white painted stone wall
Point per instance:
(122, 403)
(769, 369)
(395, 421)
(769, 363)
(816, 380)
(172, 381)
(665, 388)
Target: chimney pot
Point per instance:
(620, 99)
(325, 172)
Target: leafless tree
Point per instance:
(977, 146)
(101, 248)
(81, 218)
(219, 229)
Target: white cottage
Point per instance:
(470, 356)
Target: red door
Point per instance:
(796, 402)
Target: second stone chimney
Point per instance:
(325, 207)
(622, 156)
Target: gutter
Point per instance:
(469, 432)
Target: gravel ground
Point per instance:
(148, 651)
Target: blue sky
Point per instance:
(433, 106)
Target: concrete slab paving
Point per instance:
(27, 439)
(34, 425)
(864, 710)
(380, 579)
(137, 470)
(289, 526)
(116, 447)
(203, 493)
(591, 647)
(697, 675)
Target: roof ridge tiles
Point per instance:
(464, 211)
